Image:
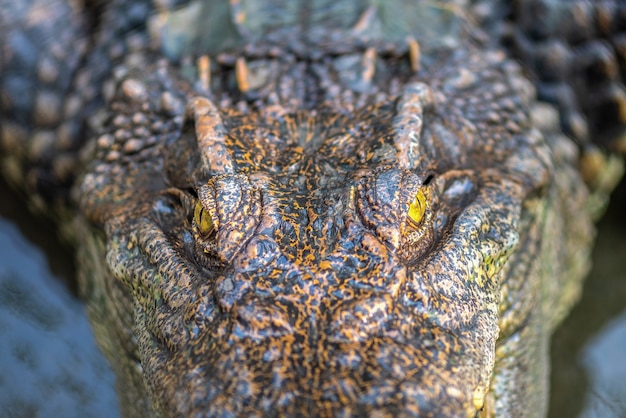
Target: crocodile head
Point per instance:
(349, 258)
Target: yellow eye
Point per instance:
(203, 219)
(418, 207)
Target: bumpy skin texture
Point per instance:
(576, 52)
(326, 228)
(55, 58)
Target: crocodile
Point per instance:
(313, 208)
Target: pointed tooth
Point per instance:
(239, 15)
(365, 20)
(204, 71)
(414, 54)
(241, 74)
(369, 64)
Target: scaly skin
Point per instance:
(576, 52)
(330, 229)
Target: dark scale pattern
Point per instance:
(309, 208)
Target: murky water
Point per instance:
(50, 366)
(589, 348)
(49, 363)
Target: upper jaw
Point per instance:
(415, 339)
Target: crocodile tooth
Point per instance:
(204, 71)
(414, 53)
(369, 64)
(239, 15)
(365, 20)
(241, 74)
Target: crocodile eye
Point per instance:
(225, 217)
(398, 207)
(418, 207)
(203, 220)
